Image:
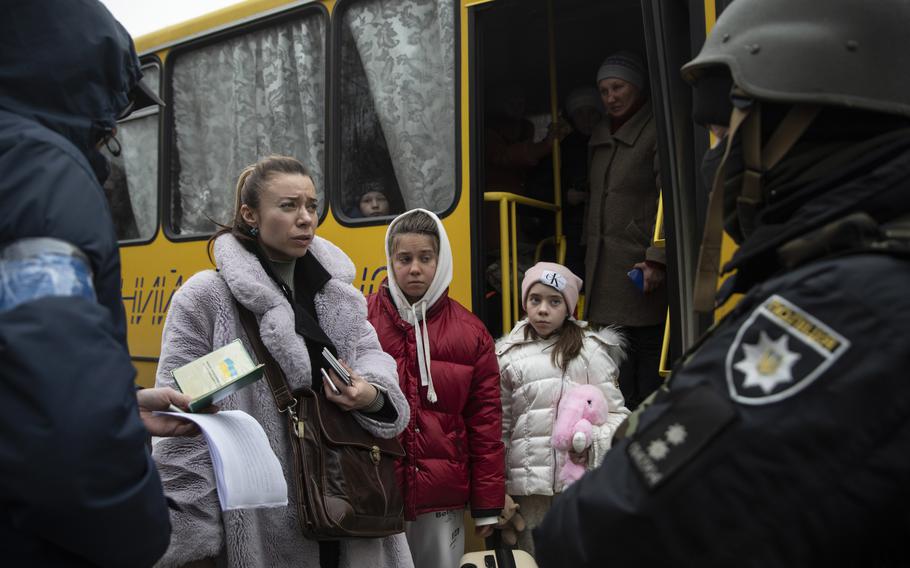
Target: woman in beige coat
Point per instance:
(620, 221)
(298, 286)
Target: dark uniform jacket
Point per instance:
(77, 486)
(782, 438)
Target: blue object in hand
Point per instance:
(638, 278)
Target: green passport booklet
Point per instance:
(212, 377)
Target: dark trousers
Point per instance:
(638, 374)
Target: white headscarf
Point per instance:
(417, 312)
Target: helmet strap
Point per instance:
(757, 161)
(708, 267)
(750, 197)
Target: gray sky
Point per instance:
(140, 18)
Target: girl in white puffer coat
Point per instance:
(546, 354)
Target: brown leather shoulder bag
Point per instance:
(344, 476)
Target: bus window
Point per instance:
(396, 104)
(235, 101)
(151, 76)
(132, 187)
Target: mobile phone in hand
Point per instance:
(328, 380)
(336, 366)
(637, 276)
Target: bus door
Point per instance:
(674, 33)
(529, 56)
(525, 53)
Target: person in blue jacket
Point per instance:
(77, 484)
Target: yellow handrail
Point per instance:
(514, 220)
(658, 240)
(560, 250)
(508, 252)
(556, 153)
(519, 199)
(504, 265)
(663, 368)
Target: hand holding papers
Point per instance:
(247, 472)
(212, 377)
(164, 398)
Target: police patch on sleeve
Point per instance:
(662, 448)
(779, 351)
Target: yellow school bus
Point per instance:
(390, 94)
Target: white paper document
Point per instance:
(247, 472)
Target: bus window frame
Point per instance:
(217, 36)
(151, 60)
(680, 148)
(476, 150)
(335, 197)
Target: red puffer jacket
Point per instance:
(454, 447)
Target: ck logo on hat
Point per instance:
(778, 351)
(553, 279)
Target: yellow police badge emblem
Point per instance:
(778, 351)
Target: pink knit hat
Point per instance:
(555, 276)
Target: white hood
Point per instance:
(417, 312)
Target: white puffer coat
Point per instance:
(532, 388)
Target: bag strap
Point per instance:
(273, 373)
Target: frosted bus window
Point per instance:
(132, 187)
(397, 103)
(237, 101)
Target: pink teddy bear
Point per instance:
(581, 408)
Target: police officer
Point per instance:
(77, 485)
(782, 437)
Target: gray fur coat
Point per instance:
(203, 317)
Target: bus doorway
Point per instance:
(527, 52)
(529, 60)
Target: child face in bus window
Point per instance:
(285, 217)
(619, 96)
(546, 308)
(374, 204)
(414, 262)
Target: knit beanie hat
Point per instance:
(356, 194)
(623, 65)
(555, 276)
(584, 97)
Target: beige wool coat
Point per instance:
(622, 209)
(203, 316)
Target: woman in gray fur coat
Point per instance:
(299, 288)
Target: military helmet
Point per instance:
(846, 53)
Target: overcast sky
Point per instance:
(140, 18)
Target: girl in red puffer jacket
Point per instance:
(448, 371)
